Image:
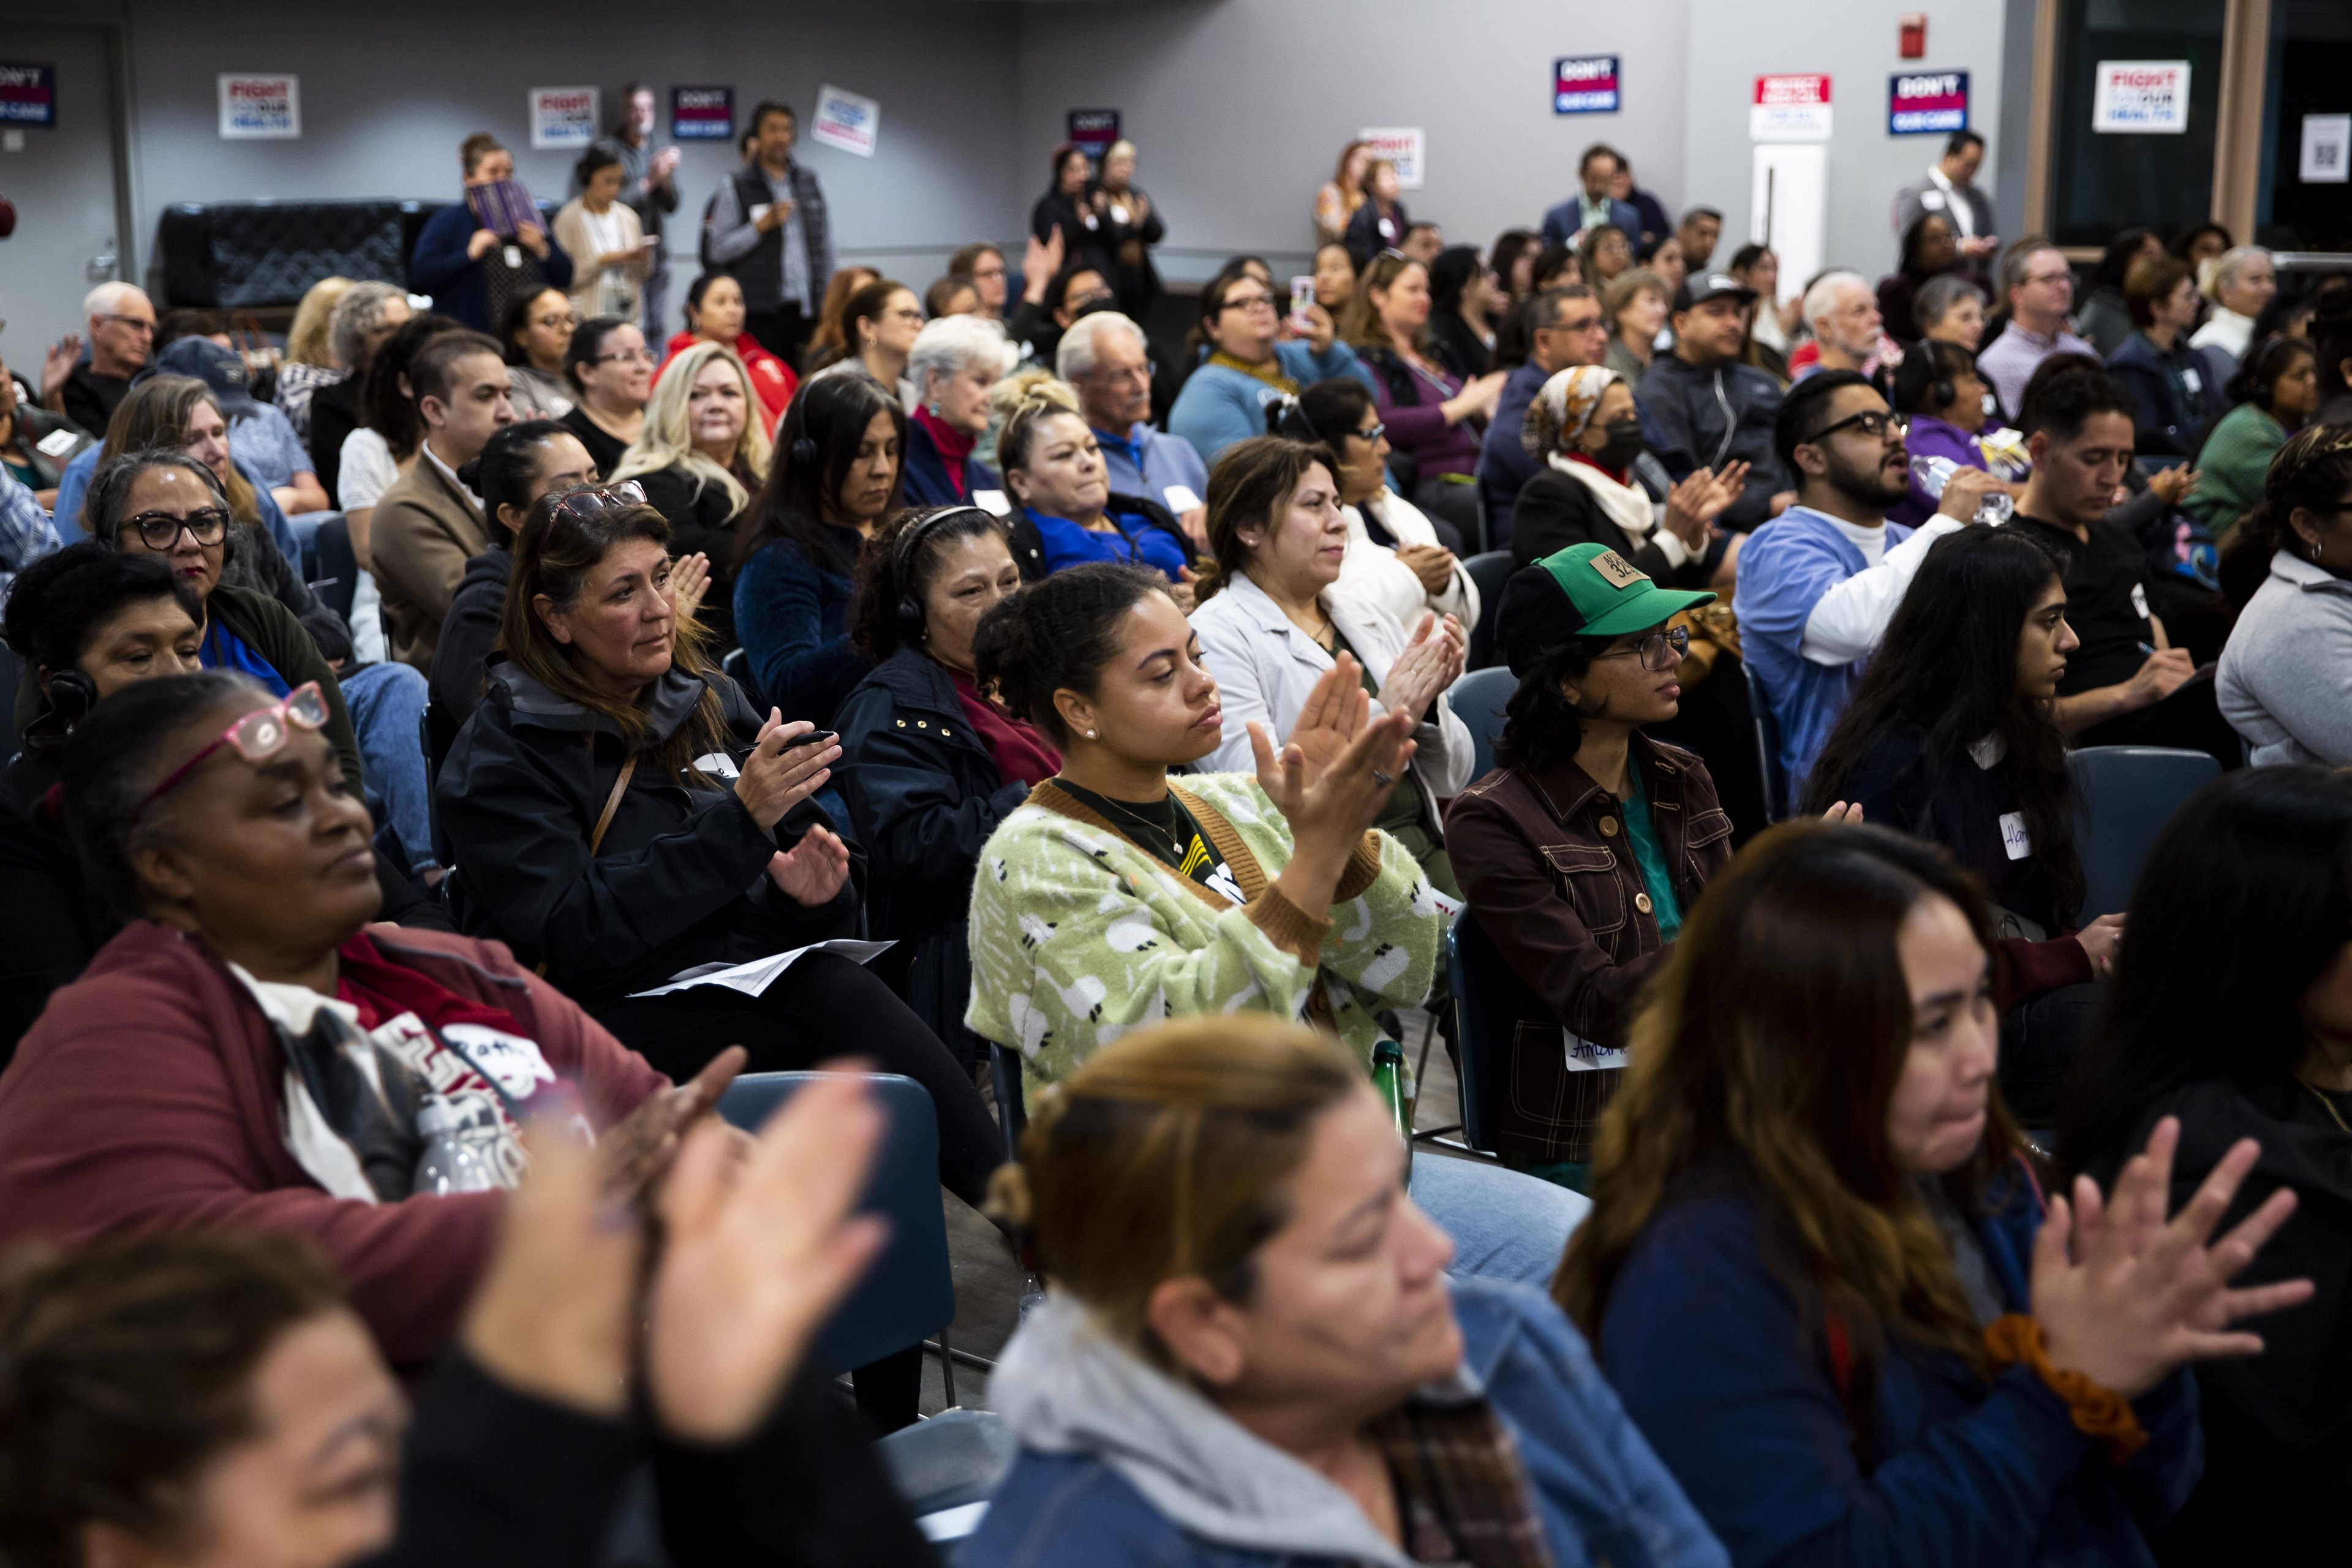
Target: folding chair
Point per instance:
(2122, 797)
(1489, 572)
(1477, 699)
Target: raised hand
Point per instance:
(2124, 1296)
(754, 1261)
(57, 364)
(689, 579)
(780, 773)
(553, 1316)
(1334, 710)
(1843, 811)
(812, 872)
(632, 1155)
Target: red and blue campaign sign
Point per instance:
(702, 113)
(1919, 102)
(1094, 131)
(28, 95)
(1584, 84)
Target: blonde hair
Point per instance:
(1017, 403)
(1627, 287)
(666, 442)
(306, 340)
(1166, 1155)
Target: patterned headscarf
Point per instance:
(1560, 411)
(2312, 444)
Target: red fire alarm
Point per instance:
(1914, 25)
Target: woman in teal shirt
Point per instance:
(2277, 391)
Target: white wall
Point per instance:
(389, 91)
(1239, 108)
(1855, 43)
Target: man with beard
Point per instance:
(1819, 582)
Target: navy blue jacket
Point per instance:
(924, 479)
(1504, 466)
(1730, 1380)
(2172, 416)
(924, 794)
(441, 267)
(1567, 219)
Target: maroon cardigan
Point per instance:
(149, 1097)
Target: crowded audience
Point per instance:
(453, 742)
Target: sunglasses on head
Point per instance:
(589, 502)
(257, 737)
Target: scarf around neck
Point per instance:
(1628, 506)
(954, 444)
(1272, 377)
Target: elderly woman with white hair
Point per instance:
(1582, 426)
(2244, 280)
(701, 457)
(955, 361)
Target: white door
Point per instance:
(62, 179)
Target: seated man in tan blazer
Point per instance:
(428, 525)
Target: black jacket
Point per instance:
(1695, 418)
(924, 794)
(461, 659)
(1555, 510)
(334, 413)
(496, 1477)
(255, 562)
(681, 877)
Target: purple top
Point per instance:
(1418, 429)
(1933, 438)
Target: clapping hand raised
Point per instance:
(782, 770)
(1333, 775)
(2124, 1296)
(1430, 663)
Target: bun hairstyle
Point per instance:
(1018, 403)
(1056, 636)
(1252, 481)
(2313, 470)
(599, 157)
(507, 473)
(1169, 1154)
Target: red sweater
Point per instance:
(149, 1097)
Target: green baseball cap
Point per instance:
(1586, 590)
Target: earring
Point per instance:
(1090, 734)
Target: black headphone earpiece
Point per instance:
(72, 695)
(803, 450)
(2261, 377)
(904, 553)
(1944, 393)
(1288, 417)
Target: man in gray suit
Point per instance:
(1951, 190)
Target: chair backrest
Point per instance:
(1490, 571)
(1768, 746)
(909, 1294)
(738, 665)
(338, 567)
(2122, 797)
(1483, 987)
(1477, 701)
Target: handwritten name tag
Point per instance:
(1583, 1056)
(2013, 836)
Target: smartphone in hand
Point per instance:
(1302, 294)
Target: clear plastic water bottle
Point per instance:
(1932, 474)
(448, 1165)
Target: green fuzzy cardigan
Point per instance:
(1079, 935)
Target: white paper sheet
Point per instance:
(753, 979)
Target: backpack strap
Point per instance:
(612, 805)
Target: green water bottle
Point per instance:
(1393, 1079)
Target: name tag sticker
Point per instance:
(514, 255)
(2013, 836)
(1583, 1056)
(1180, 499)
(2191, 380)
(2140, 600)
(57, 443)
(992, 502)
(1616, 571)
(759, 210)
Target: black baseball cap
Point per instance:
(1711, 286)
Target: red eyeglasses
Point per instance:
(257, 737)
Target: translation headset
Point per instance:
(2263, 372)
(905, 552)
(1289, 418)
(72, 695)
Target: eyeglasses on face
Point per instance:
(626, 356)
(1248, 302)
(1658, 652)
(1370, 433)
(136, 323)
(589, 502)
(257, 737)
(159, 531)
(1873, 423)
(567, 321)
